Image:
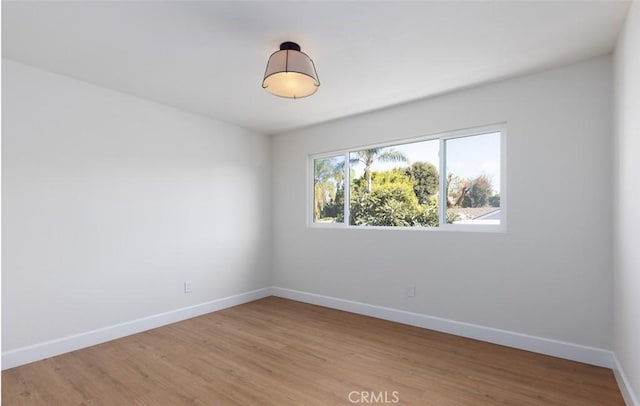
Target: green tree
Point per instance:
(426, 181)
(369, 156)
(494, 201)
(328, 177)
(335, 208)
(392, 202)
(479, 192)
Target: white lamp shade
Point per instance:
(290, 73)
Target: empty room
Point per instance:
(320, 203)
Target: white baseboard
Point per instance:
(575, 352)
(625, 387)
(560, 349)
(48, 349)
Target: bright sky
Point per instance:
(467, 157)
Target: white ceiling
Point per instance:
(209, 57)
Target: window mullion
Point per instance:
(442, 215)
(347, 187)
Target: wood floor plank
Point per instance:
(280, 352)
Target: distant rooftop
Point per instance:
(473, 213)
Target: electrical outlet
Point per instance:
(188, 288)
(411, 290)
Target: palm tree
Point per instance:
(322, 170)
(369, 156)
(327, 176)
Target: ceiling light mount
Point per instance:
(290, 45)
(290, 73)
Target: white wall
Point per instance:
(549, 275)
(626, 287)
(110, 202)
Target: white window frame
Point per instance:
(442, 137)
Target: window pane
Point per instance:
(395, 186)
(328, 190)
(473, 179)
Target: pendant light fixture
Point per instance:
(290, 73)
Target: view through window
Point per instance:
(407, 184)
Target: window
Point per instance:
(446, 181)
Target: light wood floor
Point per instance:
(280, 352)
